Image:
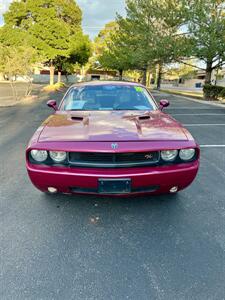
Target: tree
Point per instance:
(78, 56)
(17, 61)
(206, 27)
(113, 50)
(180, 71)
(116, 57)
(109, 51)
(104, 37)
(152, 33)
(52, 27)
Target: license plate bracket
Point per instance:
(114, 186)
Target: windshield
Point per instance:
(108, 97)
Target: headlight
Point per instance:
(169, 155)
(57, 156)
(187, 154)
(39, 155)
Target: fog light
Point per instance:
(52, 190)
(174, 189)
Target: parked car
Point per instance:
(111, 138)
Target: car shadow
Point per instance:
(106, 211)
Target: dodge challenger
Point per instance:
(111, 138)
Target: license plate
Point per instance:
(114, 186)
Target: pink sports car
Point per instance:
(111, 138)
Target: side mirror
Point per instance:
(164, 103)
(52, 104)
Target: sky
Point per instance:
(96, 13)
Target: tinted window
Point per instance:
(108, 97)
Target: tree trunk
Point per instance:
(51, 74)
(216, 76)
(208, 75)
(29, 87)
(208, 72)
(14, 91)
(59, 76)
(144, 79)
(120, 74)
(159, 77)
(149, 80)
(66, 75)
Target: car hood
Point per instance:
(111, 126)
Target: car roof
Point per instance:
(107, 82)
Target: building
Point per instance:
(194, 81)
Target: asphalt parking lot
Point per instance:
(87, 247)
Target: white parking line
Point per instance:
(189, 125)
(193, 108)
(198, 114)
(203, 102)
(212, 146)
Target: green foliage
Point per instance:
(160, 32)
(52, 27)
(181, 71)
(12, 37)
(214, 92)
(79, 55)
(133, 74)
(151, 31)
(104, 37)
(16, 61)
(206, 26)
(149, 35)
(54, 88)
(114, 58)
(109, 50)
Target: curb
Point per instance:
(192, 99)
(6, 103)
(23, 101)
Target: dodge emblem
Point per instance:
(114, 145)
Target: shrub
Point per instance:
(59, 85)
(54, 88)
(213, 92)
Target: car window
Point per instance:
(108, 97)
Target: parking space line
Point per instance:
(212, 146)
(193, 108)
(189, 125)
(203, 102)
(204, 114)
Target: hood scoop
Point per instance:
(108, 126)
(77, 118)
(84, 120)
(144, 117)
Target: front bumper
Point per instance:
(154, 180)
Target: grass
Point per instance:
(190, 94)
(185, 93)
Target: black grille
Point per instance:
(113, 160)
